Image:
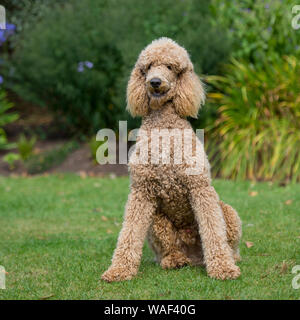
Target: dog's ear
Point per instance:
(137, 98)
(190, 94)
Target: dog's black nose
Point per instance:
(155, 82)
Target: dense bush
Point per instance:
(133, 24)
(21, 16)
(257, 134)
(26, 12)
(52, 59)
(260, 30)
(65, 62)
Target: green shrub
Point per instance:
(23, 14)
(94, 145)
(26, 146)
(257, 134)
(11, 158)
(5, 118)
(189, 22)
(260, 30)
(68, 63)
(49, 67)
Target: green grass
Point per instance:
(57, 236)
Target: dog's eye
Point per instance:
(169, 67)
(149, 67)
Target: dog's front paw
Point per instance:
(174, 260)
(223, 271)
(118, 274)
(237, 257)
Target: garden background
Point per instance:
(64, 66)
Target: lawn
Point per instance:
(57, 235)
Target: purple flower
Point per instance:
(10, 27)
(89, 64)
(80, 67)
(270, 29)
(2, 36)
(267, 6)
(83, 64)
(8, 31)
(1, 79)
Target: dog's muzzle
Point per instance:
(155, 83)
(157, 87)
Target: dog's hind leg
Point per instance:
(233, 228)
(165, 242)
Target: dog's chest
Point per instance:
(173, 201)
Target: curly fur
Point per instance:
(180, 214)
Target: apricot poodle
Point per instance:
(178, 211)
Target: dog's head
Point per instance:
(164, 72)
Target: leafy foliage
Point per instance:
(94, 145)
(11, 158)
(25, 13)
(5, 118)
(257, 134)
(49, 65)
(26, 146)
(260, 30)
(189, 22)
(72, 71)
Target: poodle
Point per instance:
(180, 213)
